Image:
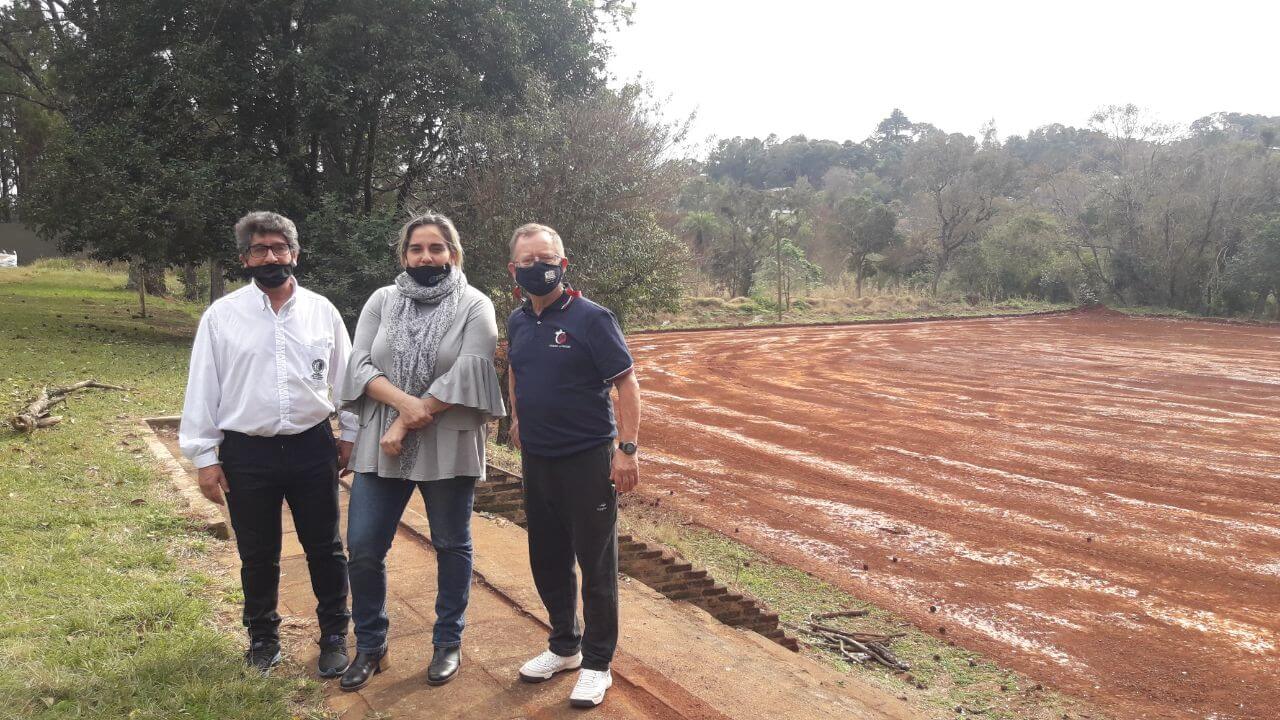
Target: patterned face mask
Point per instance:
(539, 278)
(428, 274)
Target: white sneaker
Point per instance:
(589, 691)
(547, 664)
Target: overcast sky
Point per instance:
(834, 69)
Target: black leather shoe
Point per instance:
(263, 655)
(362, 669)
(444, 665)
(333, 656)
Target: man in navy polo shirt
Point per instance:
(566, 353)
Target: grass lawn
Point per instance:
(1166, 312)
(108, 608)
(713, 312)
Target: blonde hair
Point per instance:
(443, 223)
(530, 229)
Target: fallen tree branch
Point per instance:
(36, 413)
(841, 613)
(852, 646)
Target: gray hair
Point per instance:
(262, 222)
(441, 222)
(531, 229)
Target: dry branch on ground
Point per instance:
(858, 647)
(36, 414)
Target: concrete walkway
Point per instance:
(498, 639)
(674, 660)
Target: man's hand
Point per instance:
(213, 483)
(625, 472)
(514, 434)
(414, 413)
(393, 438)
(344, 457)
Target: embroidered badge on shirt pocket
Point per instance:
(317, 359)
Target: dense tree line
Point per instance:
(164, 120)
(1125, 210)
(140, 130)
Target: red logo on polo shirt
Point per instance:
(562, 337)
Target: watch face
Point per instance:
(628, 448)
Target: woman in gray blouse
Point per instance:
(422, 380)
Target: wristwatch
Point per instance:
(628, 448)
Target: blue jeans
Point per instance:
(372, 516)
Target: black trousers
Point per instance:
(302, 470)
(572, 511)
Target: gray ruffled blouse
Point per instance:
(453, 444)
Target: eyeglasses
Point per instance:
(257, 252)
(529, 262)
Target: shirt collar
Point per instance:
(264, 300)
(562, 302)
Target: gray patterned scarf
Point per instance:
(419, 317)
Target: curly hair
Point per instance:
(261, 222)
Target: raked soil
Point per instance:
(1089, 498)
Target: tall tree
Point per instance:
(864, 228)
(959, 189)
(193, 112)
(1255, 270)
(597, 169)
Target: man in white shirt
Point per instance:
(264, 369)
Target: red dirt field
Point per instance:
(1088, 498)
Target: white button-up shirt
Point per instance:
(259, 372)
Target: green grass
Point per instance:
(110, 605)
(942, 676)
(711, 312)
(1167, 312)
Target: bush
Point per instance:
(346, 257)
(710, 303)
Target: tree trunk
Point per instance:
(217, 283)
(6, 180)
(780, 275)
(858, 276)
(190, 282)
(142, 299)
(154, 278)
(370, 149)
(743, 288)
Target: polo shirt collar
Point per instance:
(562, 302)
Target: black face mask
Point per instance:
(429, 274)
(269, 276)
(539, 278)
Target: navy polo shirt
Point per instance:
(565, 361)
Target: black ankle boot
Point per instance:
(362, 669)
(444, 665)
(333, 656)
